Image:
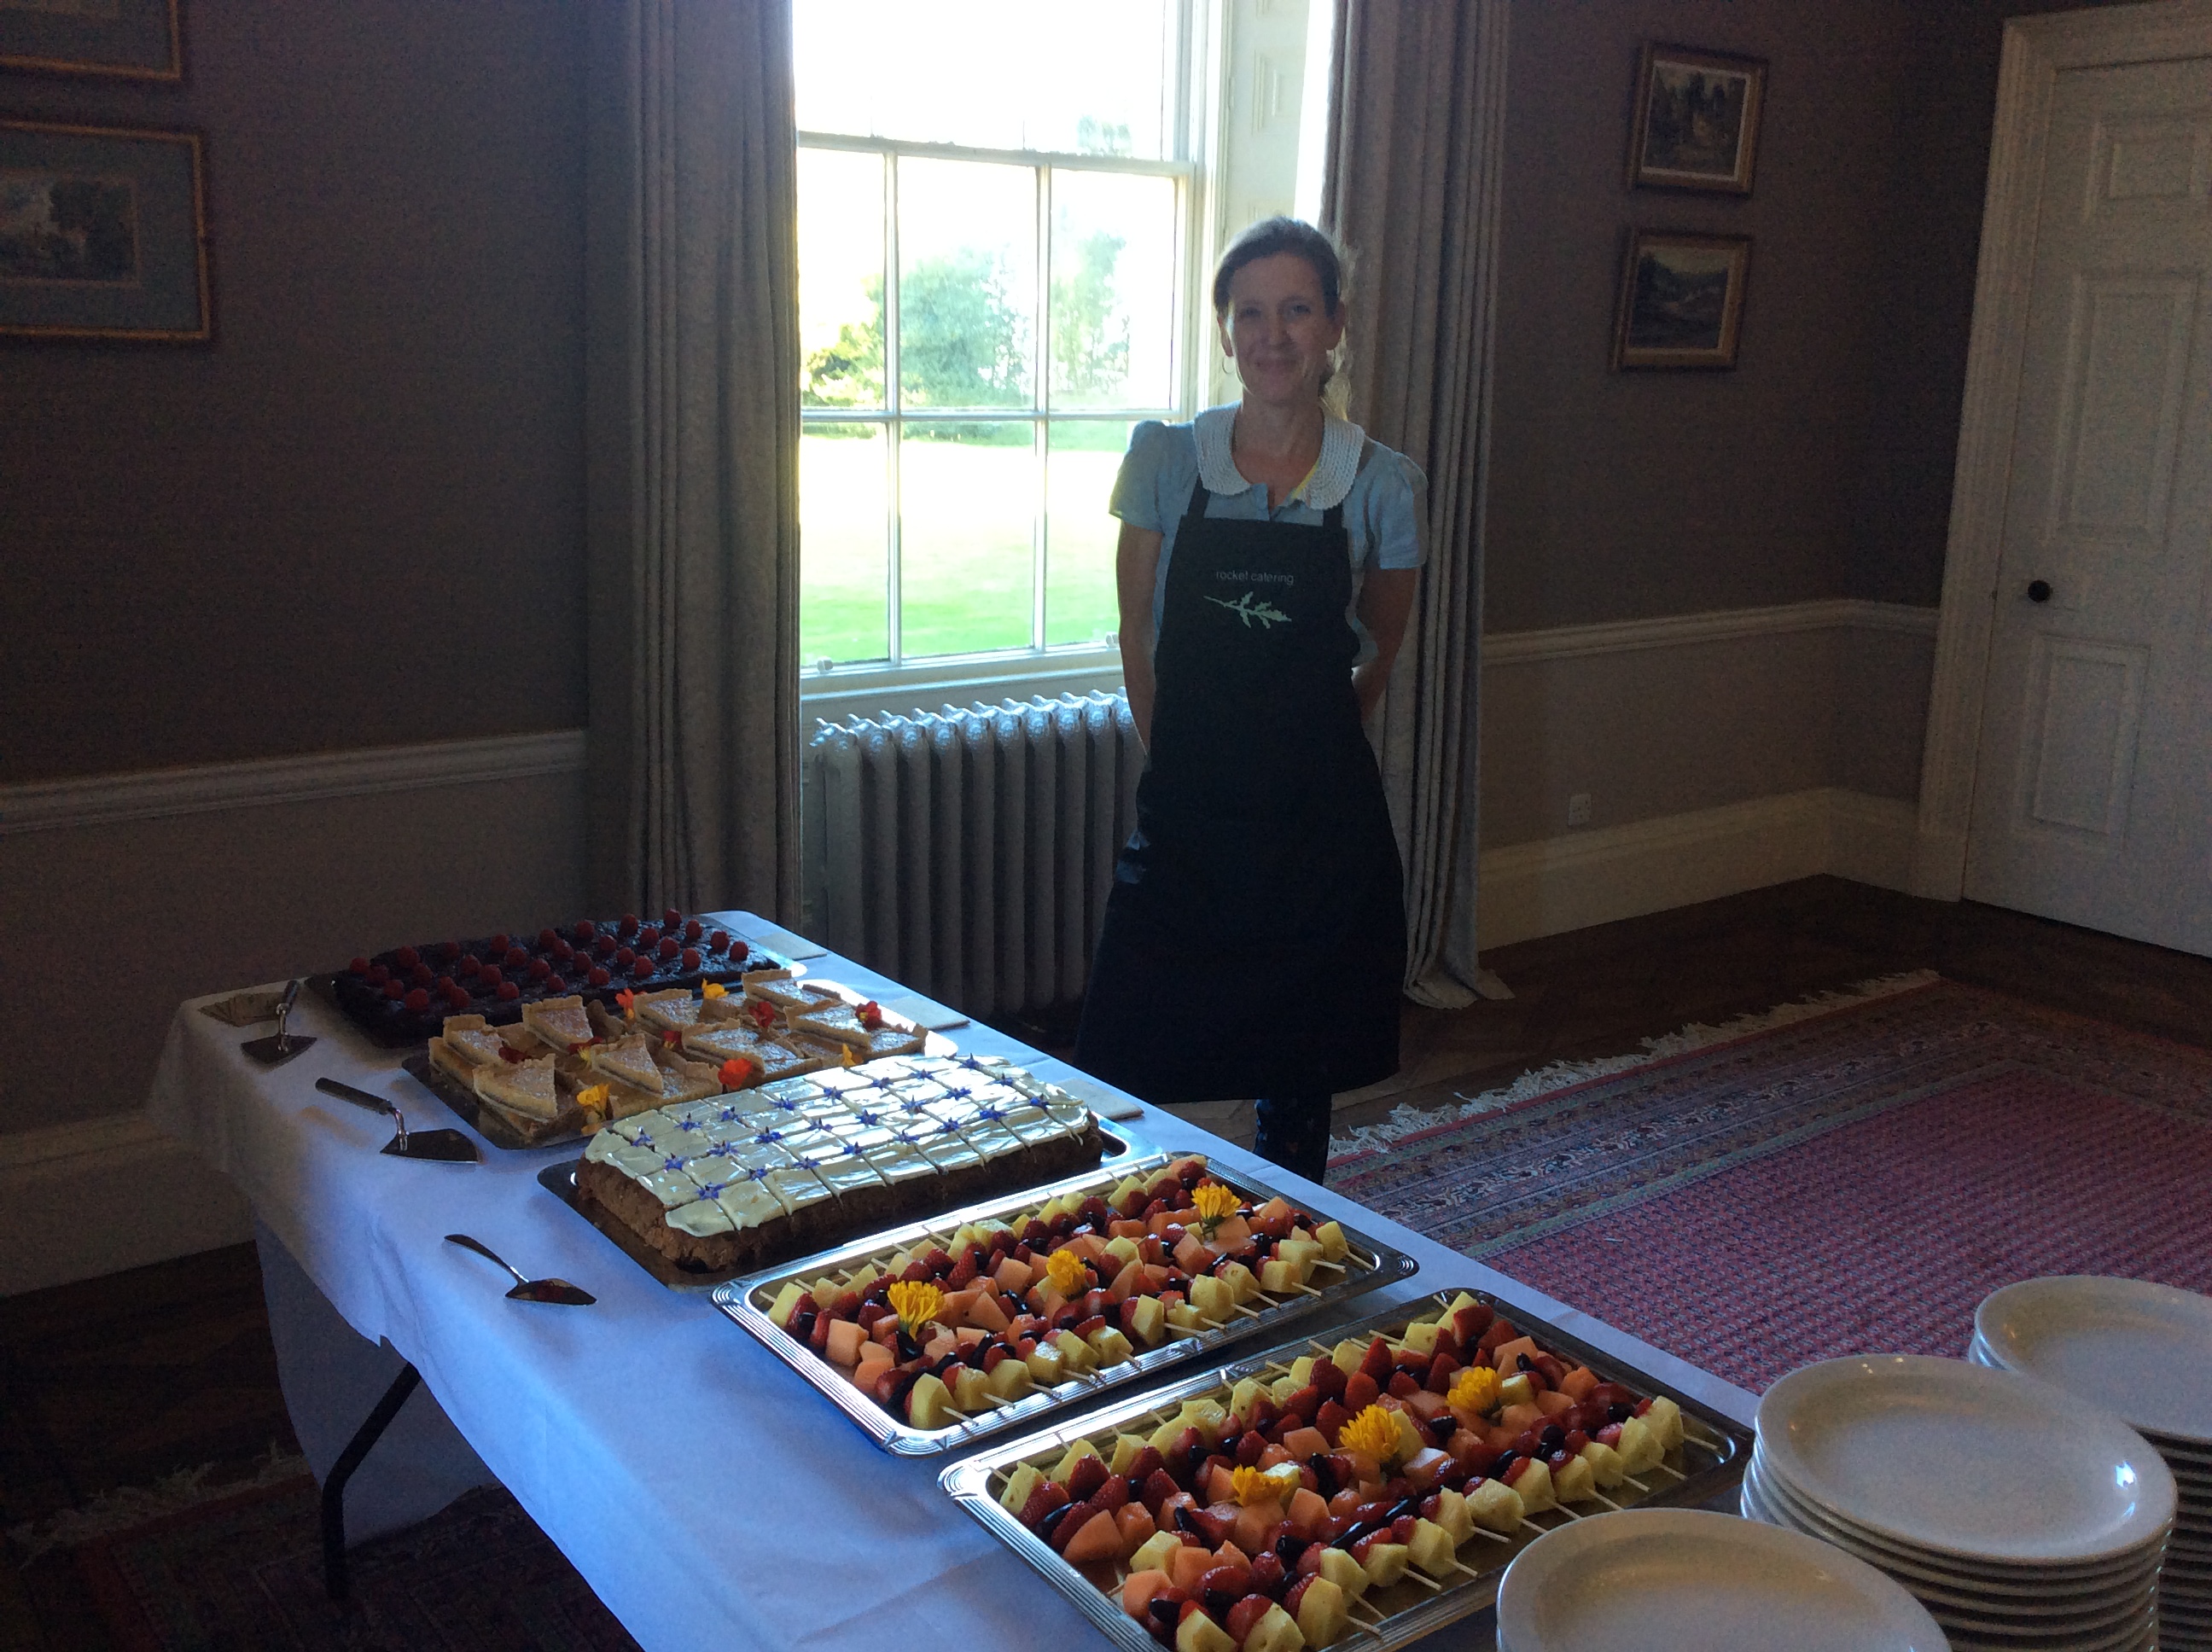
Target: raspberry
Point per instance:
(555, 986)
(378, 974)
(358, 967)
(647, 939)
(394, 991)
(671, 918)
(548, 939)
(625, 956)
(690, 957)
(449, 950)
(598, 977)
(418, 1000)
(693, 929)
(501, 942)
(420, 975)
(605, 946)
(458, 997)
(443, 984)
(509, 990)
(407, 957)
(739, 951)
(642, 970)
(629, 925)
(539, 968)
(667, 949)
(586, 929)
(469, 967)
(563, 951)
(487, 977)
(515, 957)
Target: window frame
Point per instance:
(866, 685)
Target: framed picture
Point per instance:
(103, 234)
(130, 40)
(1681, 300)
(1697, 120)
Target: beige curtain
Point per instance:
(691, 366)
(1416, 131)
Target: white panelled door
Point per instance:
(2092, 801)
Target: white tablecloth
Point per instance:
(707, 1494)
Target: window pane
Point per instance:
(844, 560)
(1079, 603)
(967, 562)
(966, 283)
(1113, 289)
(840, 278)
(1075, 76)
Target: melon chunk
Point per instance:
(1097, 1538)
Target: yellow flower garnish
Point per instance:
(849, 1059)
(594, 1097)
(1263, 1485)
(712, 990)
(1473, 1389)
(915, 1302)
(1374, 1432)
(1214, 1204)
(1065, 1269)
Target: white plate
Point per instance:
(2142, 1351)
(1996, 1576)
(2056, 1606)
(1682, 1580)
(1963, 1461)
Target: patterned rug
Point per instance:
(1854, 1181)
(247, 1572)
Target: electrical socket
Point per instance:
(1578, 809)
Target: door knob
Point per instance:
(2039, 591)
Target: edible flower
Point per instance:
(1264, 1484)
(915, 1302)
(1374, 1432)
(1065, 1269)
(849, 1059)
(671, 1038)
(1215, 1205)
(592, 1096)
(871, 1015)
(1474, 1389)
(628, 1000)
(763, 1012)
(736, 1072)
(713, 990)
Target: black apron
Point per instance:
(1254, 938)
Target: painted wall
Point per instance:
(356, 518)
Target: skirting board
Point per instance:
(1559, 884)
(51, 1177)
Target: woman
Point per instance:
(1254, 938)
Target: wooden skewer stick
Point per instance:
(1607, 1501)
(1423, 1579)
(1495, 1537)
(1308, 1288)
(1469, 1569)
(1666, 1469)
(1239, 1308)
(1630, 1479)
(1323, 1261)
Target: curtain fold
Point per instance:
(691, 425)
(1415, 143)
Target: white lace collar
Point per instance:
(1341, 444)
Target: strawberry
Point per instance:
(1245, 1613)
(1113, 1493)
(1298, 1589)
(1330, 1418)
(1300, 1407)
(1377, 1363)
(1145, 1465)
(1329, 1378)
(1049, 1496)
(1403, 1385)
(1361, 1392)
(1086, 1477)
(1159, 1488)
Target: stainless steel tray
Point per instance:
(1368, 1267)
(1710, 1461)
(1123, 1151)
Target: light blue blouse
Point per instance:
(1383, 494)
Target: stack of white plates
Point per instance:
(2143, 1352)
(2020, 1518)
(1682, 1580)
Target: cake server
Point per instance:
(280, 1046)
(440, 1146)
(525, 1288)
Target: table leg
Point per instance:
(334, 1559)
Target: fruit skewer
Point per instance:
(1200, 1520)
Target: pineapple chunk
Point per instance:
(1496, 1507)
(1242, 1285)
(1431, 1548)
(1199, 1633)
(1148, 1322)
(1452, 1515)
(1640, 1446)
(785, 1304)
(1341, 1568)
(1280, 1279)
(1213, 1298)
(1535, 1487)
(1410, 1435)
(1385, 1564)
(1123, 1251)
(1665, 1420)
(1154, 1551)
(1303, 1252)
(1348, 1355)
(860, 1282)
(1301, 1371)
(1184, 1317)
(1126, 1448)
(1334, 1245)
(1206, 1416)
(1122, 1189)
(971, 1389)
(1284, 1387)
(1076, 1454)
(1076, 1355)
(1605, 1465)
(1241, 1398)
(1044, 1364)
(1421, 1336)
(929, 1404)
(1024, 1479)
(1110, 1346)
(1516, 1390)
(1323, 1613)
(1575, 1482)
(1009, 1379)
(1276, 1631)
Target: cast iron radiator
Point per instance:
(968, 853)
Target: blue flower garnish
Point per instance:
(712, 1190)
(687, 1124)
(769, 1136)
(673, 1162)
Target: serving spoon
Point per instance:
(527, 1289)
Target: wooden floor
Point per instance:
(123, 1381)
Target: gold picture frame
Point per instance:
(1681, 300)
(103, 234)
(1697, 123)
